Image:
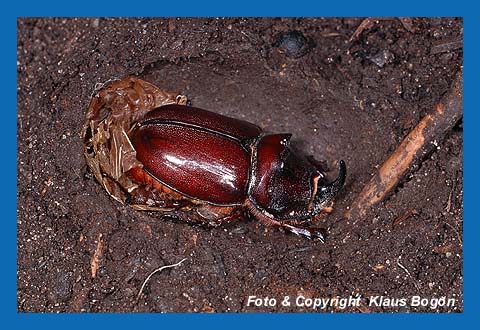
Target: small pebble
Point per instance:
(293, 44)
(382, 58)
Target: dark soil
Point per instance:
(341, 101)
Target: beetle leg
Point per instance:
(207, 216)
(238, 215)
(147, 199)
(309, 233)
(218, 215)
(291, 227)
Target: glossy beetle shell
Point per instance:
(151, 151)
(190, 159)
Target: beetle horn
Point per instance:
(326, 193)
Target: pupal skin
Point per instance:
(151, 151)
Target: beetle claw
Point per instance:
(307, 232)
(326, 193)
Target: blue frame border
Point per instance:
(243, 8)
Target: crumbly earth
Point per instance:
(80, 250)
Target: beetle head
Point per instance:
(286, 186)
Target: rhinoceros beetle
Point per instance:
(153, 152)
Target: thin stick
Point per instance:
(97, 256)
(156, 271)
(426, 136)
(456, 231)
(409, 275)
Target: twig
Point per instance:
(426, 136)
(446, 46)
(456, 232)
(404, 217)
(409, 275)
(454, 186)
(97, 256)
(407, 23)
(156, 271)
(365, 24)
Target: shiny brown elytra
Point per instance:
(153, 152)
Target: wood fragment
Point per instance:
(97, 256)
(429, 132)
(443, 249)
(365, 24)
(378, 267)
(368, 22)
(80, 300)
(208, 309)
(460, 240)
(407, 23)
(454, 186)
(446, 46)
(404, 217)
